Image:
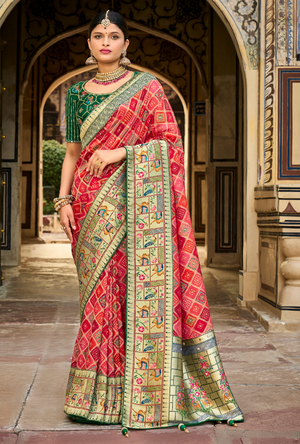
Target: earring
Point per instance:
(91, 60)
(124, 60)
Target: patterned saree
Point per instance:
(145, 355)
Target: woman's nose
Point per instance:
(105, 40)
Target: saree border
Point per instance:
(130, 291)
(114, 244)
(169, 285)
(103, 112)
(85, 384)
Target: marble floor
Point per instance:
(39, 322)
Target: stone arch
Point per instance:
(82, 69)
(132, 24)
(73, 73)
(225, 17)
(246, 45)
(247, 51)
(234, 20)
(6, 8)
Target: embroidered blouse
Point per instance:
(79, 104)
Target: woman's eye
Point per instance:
(115, 37)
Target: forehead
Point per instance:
(110, 28)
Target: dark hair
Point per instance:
(114, 18)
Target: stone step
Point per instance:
(269, 320)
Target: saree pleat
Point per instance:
(146, 354)
(99, 348)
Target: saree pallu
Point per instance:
(145, 355)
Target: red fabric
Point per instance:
(100, 341)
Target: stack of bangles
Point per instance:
(60, 202)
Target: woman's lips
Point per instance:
(105, 51)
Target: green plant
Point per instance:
(53, 157)
(48, 208)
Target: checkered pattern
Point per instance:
(100, 342)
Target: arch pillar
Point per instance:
(248, 57)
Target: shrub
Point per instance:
(53, 156)
(48, 208)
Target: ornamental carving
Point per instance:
(183, 19)
(245, 15)
(144, 50)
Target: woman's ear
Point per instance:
(89, 43)
(126, 44)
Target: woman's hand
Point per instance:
(67, 220)
(101, 158)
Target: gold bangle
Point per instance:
(61, 204)
(62, 198)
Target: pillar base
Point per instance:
(247, 286)
(271, 321)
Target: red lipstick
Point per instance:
(105, 51)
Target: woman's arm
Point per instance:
(104, 157)
(67, 174)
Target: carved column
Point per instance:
(290, 269)
(278, 219)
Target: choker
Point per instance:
(105, 78)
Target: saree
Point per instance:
(146, 354)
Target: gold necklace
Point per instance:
(109, 77)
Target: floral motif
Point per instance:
(204, 366)
(198, 398)
(180, 404)
(224, 386)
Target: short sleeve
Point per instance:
(72, 126)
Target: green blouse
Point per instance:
(79, 104)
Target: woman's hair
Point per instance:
(114, 18)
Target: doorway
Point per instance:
(53, 146)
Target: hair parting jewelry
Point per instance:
(105, 22)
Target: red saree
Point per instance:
(145, 354)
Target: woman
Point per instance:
(145, 355)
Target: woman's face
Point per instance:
(107, 44)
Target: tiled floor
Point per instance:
(38, 324)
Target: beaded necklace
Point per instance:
(106, 78)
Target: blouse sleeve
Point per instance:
(72, 126)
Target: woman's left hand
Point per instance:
(101, 158)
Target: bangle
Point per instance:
(61, 201)
(68, 196)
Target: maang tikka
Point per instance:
(105, 22)
(123, 61)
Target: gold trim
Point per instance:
(98, 110)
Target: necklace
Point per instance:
(105, 78)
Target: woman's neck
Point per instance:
(107, 67)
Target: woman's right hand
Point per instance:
(67, 220)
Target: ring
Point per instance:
(63, 228)
(97, 164)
